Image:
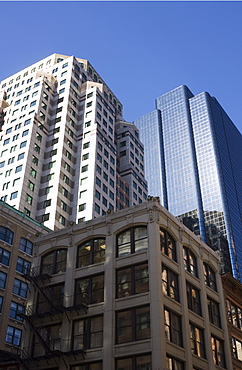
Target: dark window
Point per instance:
(197, 341)
(136, 362)
(3, 279)
(53, 296)
(209, 276)
(1, 304)
(15, 310)
(132, 280)
(168, 245)
(213, 310)
(4, 256)
(90, 290)
(26, 246)
(88, 333)
(88, 366)
(54, 262)
(190, 261)
(170, 283)
(218, 351)
(133, 324)
(6, 235)
(132, 241)
(193, 299)
(173, 327)
(20, 288)
(90, 252)
(13, 335)
(23, 266)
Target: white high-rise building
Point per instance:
(59, 159)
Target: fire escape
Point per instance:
(51, 307)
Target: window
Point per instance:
(132, 241)
(20, 288)
(84, 168)
(173, 364)
(123, 153)
(23, 266)
(29, 199)
(218, 351)
(20, 156)
(132, 280)
(197, 341)
(62, 220)
(3, 279)
(190, 262)
(90, 290)
(234, 314)
(173, 327)
(86, 145)
(236, 348)
(90, 252)
(1, 304)
(14, 195)
(213, 311)
(26, 246)
(2, 164)
(133, 324)
(82, 207)
(25, 133)
(85, 156)
(170, 283)
(6, 141)
(97, 195)
(4, 256)
(13, 335)
(88, 333)
(31, 185)
(63, 205)
(47, 203)
(62, 82)
(168, 245)
(6, 235)
(64, 192)
(54, 262)
(11, 160)
(15, 310)
(88, 366)
(136, 362)
(209, 276)
(23, 144)
(193, 299)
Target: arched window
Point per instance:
(209, 276)
(167, 244)
(6, 235)
(132, 240)
(190, 262)
(54, 262)
(90, 252)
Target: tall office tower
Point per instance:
(193, 162)
(58, 152)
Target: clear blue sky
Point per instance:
(141, 49)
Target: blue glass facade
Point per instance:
(193, 162)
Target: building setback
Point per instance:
(196, 151)
(58, 144)
(134, 289)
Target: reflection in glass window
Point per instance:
(167, 244)
(54, 262)
(138, 362)
(90, 252)
(132, 280)
(6, 235)
(133, 324)
(90, 290)
(88, 333)
(170, 283)
(190, 262)
(209, 276)
(132, 241)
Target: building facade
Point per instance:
(196, 152)
(134, 289)
(58, 151)
(17, 234)
(233, 300)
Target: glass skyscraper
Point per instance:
(193, 162)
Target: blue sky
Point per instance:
(141, 49)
